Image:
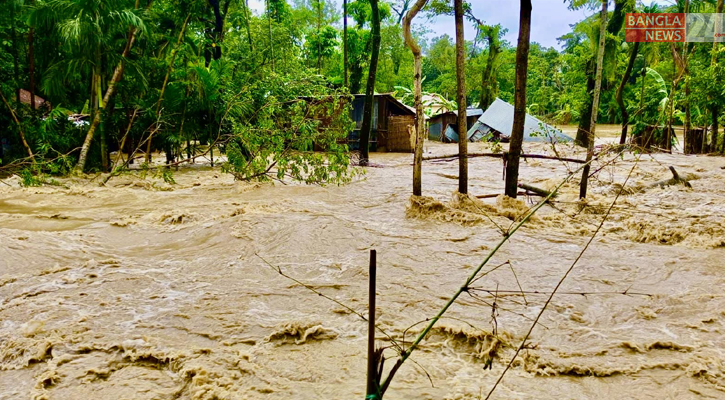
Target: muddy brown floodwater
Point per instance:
(146, 290)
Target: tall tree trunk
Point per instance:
(678, 66)
(644, 81)
(31, 63)
(20, 127)
(620, 92)
(418, 95)
(247, 17)
(517, 132)
(16, 56)
(98, 104)
(489, 83)
(110, 92)
(715, 110)
(461, 98)
(163, 85)
(366, 129)
(595, 104)
(271, 41)
(344, 42)
(613, 28)
(319, 37)
(689, 139)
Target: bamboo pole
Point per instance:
(372, 386)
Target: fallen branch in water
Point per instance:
(500, 155)
(493, 195)
(499, 292)
(539, 191)
(675, 180)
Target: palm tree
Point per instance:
(88, 30)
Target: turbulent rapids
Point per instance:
(147, 290)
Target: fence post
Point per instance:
(372, 389)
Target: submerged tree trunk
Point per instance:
(620, 92)
(417, 87)
(517, 132)
(461, 98)
(595, 103)
(110, 92)
(613, 28)
(366, 129)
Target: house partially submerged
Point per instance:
(444, 126)
(498, 120)
(393, 124)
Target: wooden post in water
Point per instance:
(372, 390)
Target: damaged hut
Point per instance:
(498, 120)
(393, 125)
(444, 126)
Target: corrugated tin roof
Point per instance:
(470, 112)
(500, 117)
(392, 99)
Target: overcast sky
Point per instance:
(550, 19)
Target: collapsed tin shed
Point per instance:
(498, 120)
(444, 126)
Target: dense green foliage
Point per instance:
(204, 72)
